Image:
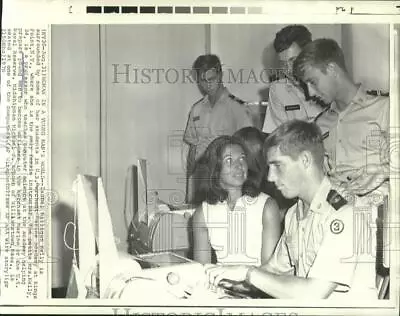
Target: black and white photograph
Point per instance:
(236, 158)
(221, 161)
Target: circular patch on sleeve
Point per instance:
(337, 226)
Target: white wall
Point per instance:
(75, 147)
(367, 50)
(146, 120)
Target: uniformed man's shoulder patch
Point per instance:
(336, 200)
(238, 100)
(198, 101)
(195, 107)
(325, 135)
(321, 113)
(378, 93)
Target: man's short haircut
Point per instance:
(298, 34)
(206, 62)
(294, 137)
(318, 54)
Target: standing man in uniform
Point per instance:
(217, 113)
(316, 256)
(359, 122)
(287, 98)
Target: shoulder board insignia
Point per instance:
(378, 93)
(293, 107)
(236, 99)
(325, 135)
(336, 200)
(198, 101)
(321, 113)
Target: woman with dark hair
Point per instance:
(232, 215)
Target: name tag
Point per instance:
(325, 135)
(294, 107)
(196, 118)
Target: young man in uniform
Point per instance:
(317, 255)
(357, 134)
(356, 142)
(287, 99)
(217, 113)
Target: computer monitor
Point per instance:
(86, 235)
(96, 254)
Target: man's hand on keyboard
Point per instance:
(215, 273)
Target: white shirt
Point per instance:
(327, 244)
(287, 102)
(236, 236)
(358, 141)
(206, 122)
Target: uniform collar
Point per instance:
(359, 99)
(295, 89)
(223, 96)
(320, 196)
(317, 203)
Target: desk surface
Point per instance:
(190, 278)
